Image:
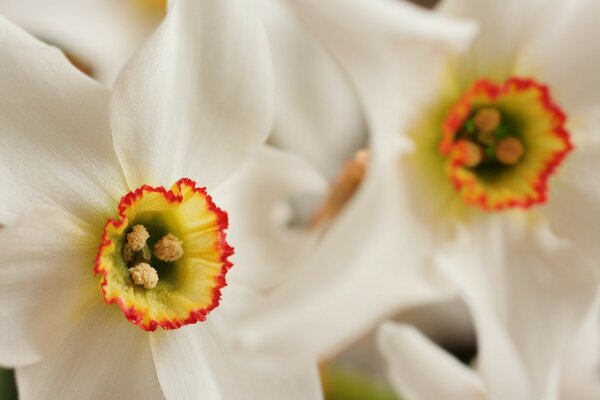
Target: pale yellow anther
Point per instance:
(509, 151)
(144, 275)
(487, 119)
(473, 155)
(169, 248)
(136, 239)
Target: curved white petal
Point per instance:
(526, 291)
(55, 146)
(573, 206)
(197, 97)
(369, 264)
(564, 56)
(317, 113)
(46, 282)
(420, 370)
(258, 199)
(105, 357)
(101, 33)
(196, 362)
(393, 52)
(504, 26)
(580, 378)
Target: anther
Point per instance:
(344, 187)
(487, 119)
(136, 239)
(509, 151)
(144, 275)
(472, 153)
(169, 248)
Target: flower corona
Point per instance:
(163, 259)
(502, 143)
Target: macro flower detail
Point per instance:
(503, 142)
(178, 282)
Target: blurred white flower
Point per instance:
(196, 101)
(419, 369)
(367, 263)
(500, 143)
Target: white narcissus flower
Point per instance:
(82, 171)
(410, 356)
(356, 275)
(501, 140)
(523, 335)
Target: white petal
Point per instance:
(420, 370)
(101, 33)
(504, 26)
(256, 199)
(105, 357)
(197, 97)
(369, 264)
(196, 362)
(393, 52)
(46, 282)
(526, 291)
(564, 56)
(580, 379)
(573, 207)
(317, 113)
(55, 146)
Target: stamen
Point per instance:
(144, 275)
(509, 151)
(472, 153)
(487, 119)
(344, 188)
(136, 239)
(168, 248)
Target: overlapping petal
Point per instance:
(103, 358)
(370, 263)
(517, 282)
(317, 113)
(196, 98)
(419, 370)
(259, 200)
(55, 147)
(101, 34)
(395, 55)
(198, 362)
(46, 282)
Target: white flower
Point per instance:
(419, 369)
(435, 173)
(195, 102)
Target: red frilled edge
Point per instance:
(459, 113)
(225, 250)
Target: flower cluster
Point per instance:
(221, 199)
